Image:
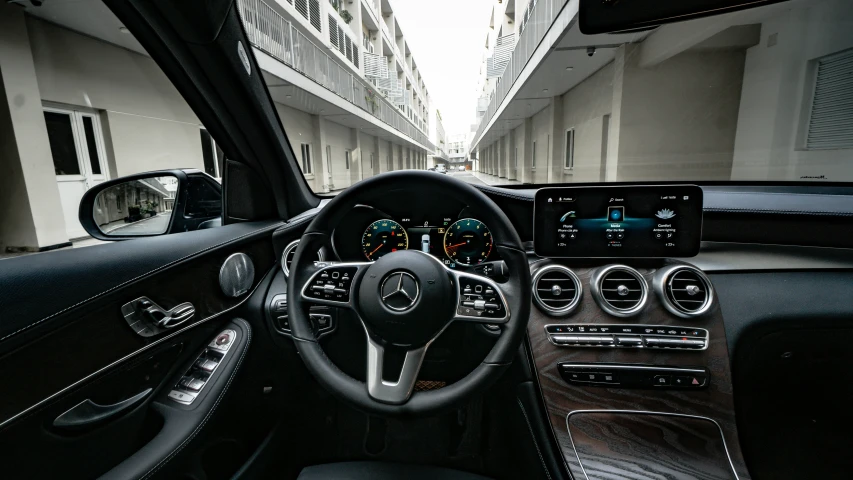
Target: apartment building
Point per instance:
(439, 138)
(84, 103)
(457, 150)
(741, 96)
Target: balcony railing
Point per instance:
(270, 32)
(541, 17)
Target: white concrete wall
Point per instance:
(541, 135)
(338, 138)
(299, 127)
(584, 108)
(142, 144)
(367, 147)
(777, 85)
(30, 213)
(679, 117)
(151, 126)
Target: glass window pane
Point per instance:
(61, 138)
(90, 144)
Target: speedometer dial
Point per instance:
(383, 237)
(468, 242)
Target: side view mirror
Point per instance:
(151, 203)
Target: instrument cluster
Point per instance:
(458, 240)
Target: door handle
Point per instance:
(87, 413)
(147, 318)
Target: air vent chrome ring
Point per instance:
(291, 249)
(603, 274)
(542, 303)
(700, 288)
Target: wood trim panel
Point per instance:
(714, 402)
(649, 446)
(96, 335)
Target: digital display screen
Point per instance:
(632, 222)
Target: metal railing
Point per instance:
(270, 32)
(542, 16)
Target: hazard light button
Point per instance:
(695, 381)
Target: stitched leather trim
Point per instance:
(533, 437)
(139, 277)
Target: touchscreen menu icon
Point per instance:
(615, 214)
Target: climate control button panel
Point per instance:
(628, 336)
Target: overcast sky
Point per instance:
(446, 38)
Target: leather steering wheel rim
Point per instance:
(515, 292)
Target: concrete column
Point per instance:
(31, 215)
(526, 151)
(512, 157)
(356, 165)
(556, 155)
(400, 163)
(499, 156)
(322, 175)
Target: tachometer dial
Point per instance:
(468, 242)
(383, 237)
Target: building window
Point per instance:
(831, 127)
(347, 159)
(306, 159)
(570, 148)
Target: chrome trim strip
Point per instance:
(135, 353)
(707, 336)
(647, 412)
(604, 366)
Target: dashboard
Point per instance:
(448, 231)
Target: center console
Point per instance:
(630, 351)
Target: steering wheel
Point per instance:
(406, 299)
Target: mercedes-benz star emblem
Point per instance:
(399, 291)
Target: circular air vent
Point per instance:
(556, 290)
(619, 290)
(289, 253)
(684, 290)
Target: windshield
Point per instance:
(508, 92)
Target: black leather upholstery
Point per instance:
(37, 288)
(382, 471)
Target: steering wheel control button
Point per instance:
(333, 284)
(478, 299)
(634, 376)
(629, 336)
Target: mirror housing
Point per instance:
(151, 204)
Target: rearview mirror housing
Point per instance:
(150, 204)
(609, 16)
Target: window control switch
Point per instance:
(207, 366)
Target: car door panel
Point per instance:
(40, 288)
(76, 346)
(99, 329)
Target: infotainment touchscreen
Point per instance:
(634, 221)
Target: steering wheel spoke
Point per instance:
(392, 392)
(333, 283)
(479, 299)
